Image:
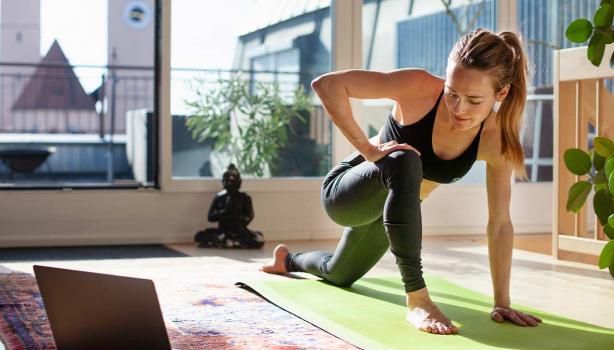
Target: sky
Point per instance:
(204, 32)
(82, 36)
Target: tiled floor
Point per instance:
(576, 290)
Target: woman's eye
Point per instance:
(475, 103)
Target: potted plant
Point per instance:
(599, 162)
(250, 126)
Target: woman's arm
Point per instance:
(336, 88)
(500, 230)
(501, 241)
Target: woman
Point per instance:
(376, 192)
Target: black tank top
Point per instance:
(420, 135)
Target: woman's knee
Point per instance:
(406, 164)
(340, 280)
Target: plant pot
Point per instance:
(25, 160)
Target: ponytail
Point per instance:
(510, 115)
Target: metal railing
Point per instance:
(84, 111)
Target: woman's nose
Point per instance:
(459, 107)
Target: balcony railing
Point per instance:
(90, 114)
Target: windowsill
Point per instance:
(282, 184)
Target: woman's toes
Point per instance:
(434, 328)
(441, 328)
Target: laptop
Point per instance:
(97, 311)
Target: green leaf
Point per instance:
(609, 231)
(609, 167)
(601, 187)
(579, 30)
(607, 255)
(611, 220)
(611, 183)
(603, 16)
(602, 202)
(598, 161)
(577, 161)
(577, 195)
(596, 48)
(600, 178)
(604, 146)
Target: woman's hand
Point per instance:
(377, 151)
(501, 313)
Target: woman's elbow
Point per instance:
(323, 82)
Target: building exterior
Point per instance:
(53, 99)
(19, 43)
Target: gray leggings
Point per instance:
(379, 205)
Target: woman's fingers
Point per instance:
(515, 316)
(406, 146)
(527, 318)
(539, 320)
(392, 146)
(508, 314)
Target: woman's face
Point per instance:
(469, 96)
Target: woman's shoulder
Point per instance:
(421, 83)
(419, 96)
(489, 148)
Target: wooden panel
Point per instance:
(581, 245)
(606, 110)
(580, 98)
(605, 125)
(574, 64)
(565, 137)
(556, 224)
(582, 143)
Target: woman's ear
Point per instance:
(502, 94)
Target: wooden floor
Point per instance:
(571, 289)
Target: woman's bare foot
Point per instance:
(279, 260)
(426, 316)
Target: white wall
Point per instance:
(29, 218)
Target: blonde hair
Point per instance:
(503, 57)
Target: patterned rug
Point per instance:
(197, 315)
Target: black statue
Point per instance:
(234, 211)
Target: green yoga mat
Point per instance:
(371, 315)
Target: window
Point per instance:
(543, 24)
(76, 96)
(237, 69)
